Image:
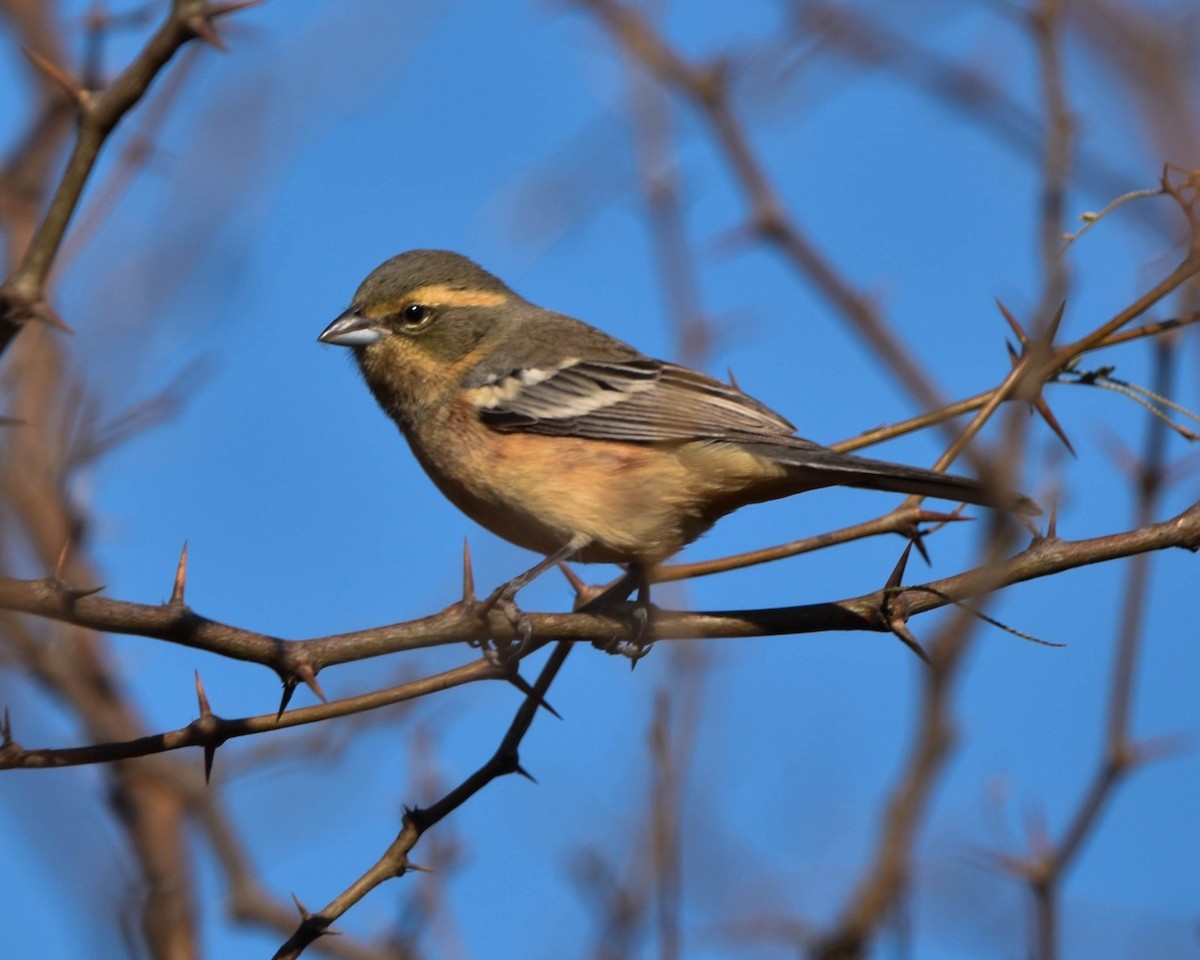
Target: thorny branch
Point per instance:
(459, 623)
(395, 862)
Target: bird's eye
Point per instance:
(415, 314)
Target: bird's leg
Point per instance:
(641, 605)
(504, 596)
(642, 640)
(638, 644)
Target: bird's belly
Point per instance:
(634, 502)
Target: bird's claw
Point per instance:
(503, 598)
(638, 643)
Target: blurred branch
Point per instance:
(1153, 58)
(640, 888)
(662, 193)
(968, 90)
(886, 877)
(136, 153)
(58, 432)
(22, 296)
(1047, 22)
(24, 178)
(1045, 867)
(707, 88)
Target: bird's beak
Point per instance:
(352, 329)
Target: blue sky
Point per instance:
(334, 136)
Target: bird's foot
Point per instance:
(503, 599)
(640, 638)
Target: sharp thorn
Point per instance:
(301, 908)
(1055, 322)
(900, 629)
(573, 579)
(1017, 329)
(289, 688)
(202, 697)
(203, 30)
(43, 312)
(180, 577)
(306, 673)
(526, 688)
(222, 9)
(210, 753)
(897, 574)
(72, 87)
(937, 516)
(518, 769)
(61, 563)
(468, 587)
(918, 541)
(1043, 408)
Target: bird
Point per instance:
(571, 443)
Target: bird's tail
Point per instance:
(824, 467)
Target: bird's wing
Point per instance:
(637, 400)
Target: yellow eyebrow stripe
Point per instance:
(439, 295)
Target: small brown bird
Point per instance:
(564, 440)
